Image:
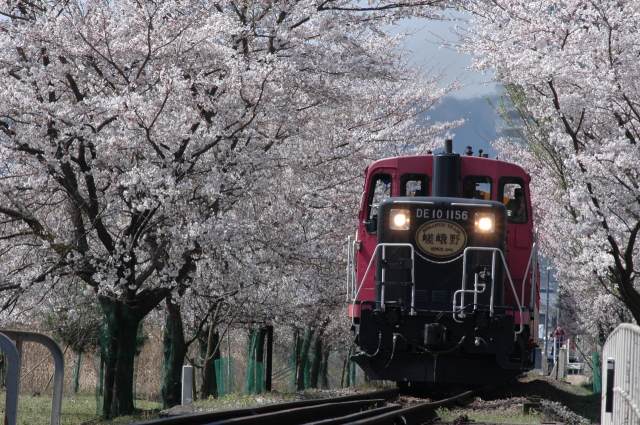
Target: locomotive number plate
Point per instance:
(447, 214)
(441, 238)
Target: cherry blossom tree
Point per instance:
(574, 64)
(136, 135)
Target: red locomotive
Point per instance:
(442, 273)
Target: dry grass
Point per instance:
(37, 369)
(37, 375)
(37, 366)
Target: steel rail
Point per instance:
(300, 415)
(356, 416)
(416, 414)
(211, 417)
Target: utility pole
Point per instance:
(546, 327)
(558, 308)
(561, 342)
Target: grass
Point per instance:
(76, 410)
(577, 398)
(238, 401)
(497, 416)
(81, 409)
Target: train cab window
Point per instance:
(512, 196)
(379, 190)
(414, 185)
(476, 187)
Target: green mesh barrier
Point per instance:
(254, 383)
(316, 363)
(99, 384)
(304, 366)
(259, 377)
(293, 361)
(345, 380)
(224, 375)
(307, 374)
(260, 357)
(250, 378)
(352, 370)
(324, 369)
(141, 339)
(101, 359)
(351, 381)
(597, 377)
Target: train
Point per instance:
(442, 272)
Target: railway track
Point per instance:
(373, 408)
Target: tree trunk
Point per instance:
(259, 360)
(255, 369)
(352, 373)
(625, 283)
(211, 353)
(174, 354)
(316, 362)
(324, 368)
(100, 383)
(268, 371)
(76, 372)
(303, 359)
(295, 357)
(119, 349)
(344, 378)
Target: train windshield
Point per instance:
(512, 196)
(380, 190)
(476, 187)
(414, 185)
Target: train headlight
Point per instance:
(485, 222)
(399, 219)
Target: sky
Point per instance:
(425, 44)
(430, 46)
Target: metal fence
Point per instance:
(11, 343)
(621, 377)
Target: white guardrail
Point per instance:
(621, 377)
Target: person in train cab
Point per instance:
(469, 191)
(515, 206)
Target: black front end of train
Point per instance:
(428, 324)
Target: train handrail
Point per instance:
(464, 289)
(349, 267)
(533, 259)
(371, 260)
(352, 247)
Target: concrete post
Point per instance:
(562, 364)
(12, 359)
(187, 384)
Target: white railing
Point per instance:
(621, 377)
